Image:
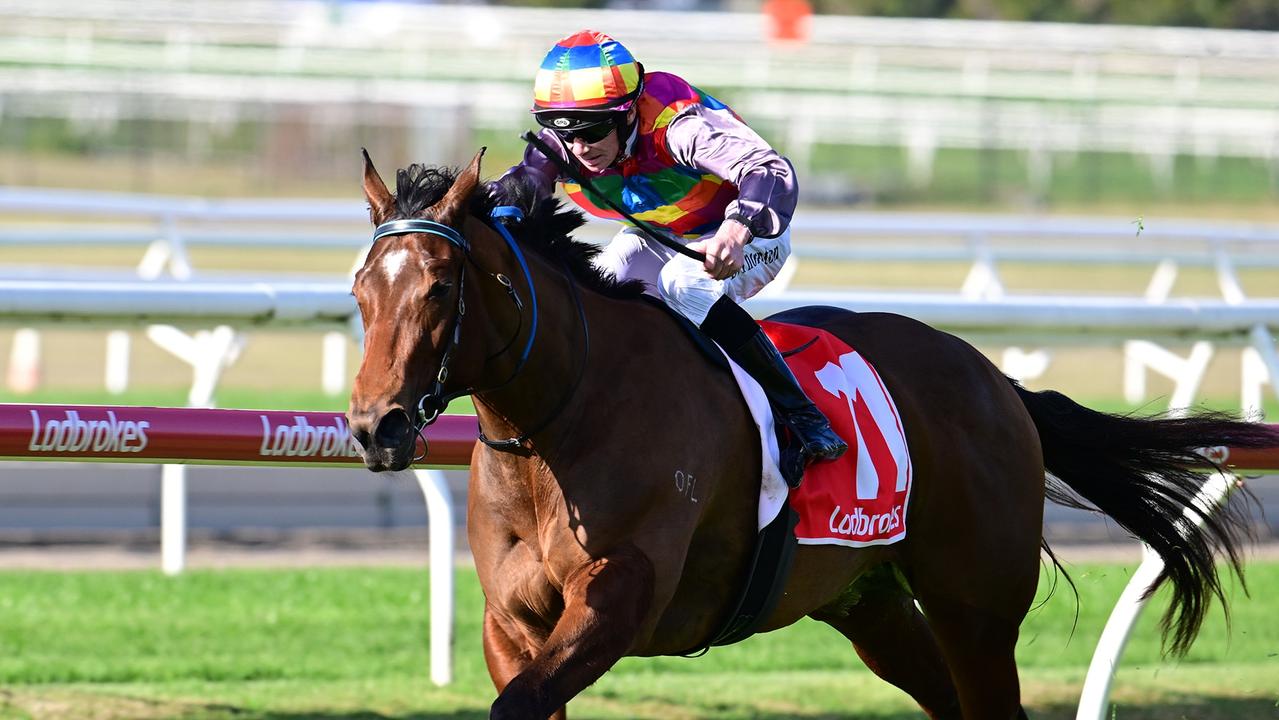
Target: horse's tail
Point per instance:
(1144, 473)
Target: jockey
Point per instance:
(685, 162)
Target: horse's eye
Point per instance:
(439, 290)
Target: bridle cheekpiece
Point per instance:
(433, 403)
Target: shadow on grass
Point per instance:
(1211, 707)
(1208, 707)
(1200, 708)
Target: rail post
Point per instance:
(1095, 698)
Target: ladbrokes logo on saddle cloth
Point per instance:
(859, 499)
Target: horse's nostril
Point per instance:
(392, 429)
(361, 437)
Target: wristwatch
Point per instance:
(746, 223)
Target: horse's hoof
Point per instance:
(514, 706)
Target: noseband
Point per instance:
(430, 405)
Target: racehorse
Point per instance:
(593, 405)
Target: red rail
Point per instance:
(202, 436)
(267, 437)
(1250, 458)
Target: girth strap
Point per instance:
(765, 579)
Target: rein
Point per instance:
(433, 403)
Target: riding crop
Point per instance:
(572, 174)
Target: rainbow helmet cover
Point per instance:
(587, 71)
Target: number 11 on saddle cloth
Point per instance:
(861, 498)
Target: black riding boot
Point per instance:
(742, 339)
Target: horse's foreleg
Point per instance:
(506, 657)
(605, 602)
(503, 655)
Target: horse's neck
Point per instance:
(524, 397)
(561, 387)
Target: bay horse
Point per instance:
(594, 406)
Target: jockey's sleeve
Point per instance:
(535, 169)
(720, 144)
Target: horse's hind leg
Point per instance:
(891, 636)
(979, 648)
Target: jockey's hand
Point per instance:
(724, 250)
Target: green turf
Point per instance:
(351, 643)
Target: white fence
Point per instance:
(179, 222)
(1012, 319)
(173, 225)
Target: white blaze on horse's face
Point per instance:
(393, 262)
(407, 295)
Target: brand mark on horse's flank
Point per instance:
(72, 434)
(685, 483)
(302, 439)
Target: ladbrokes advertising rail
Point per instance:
(265, 437)
(192, 435)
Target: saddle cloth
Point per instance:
(861, 498)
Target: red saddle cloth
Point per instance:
(861, 498)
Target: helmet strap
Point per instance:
(624, 127)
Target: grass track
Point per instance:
(351, 643)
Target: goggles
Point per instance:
(569, 128)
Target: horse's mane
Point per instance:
(547, 227)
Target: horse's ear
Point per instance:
(453, 205)
(381, 202)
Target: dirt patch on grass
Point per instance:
(73, 705)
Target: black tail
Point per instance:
(1144, 473)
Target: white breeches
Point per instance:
(681, 282)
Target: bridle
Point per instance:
(435, 400)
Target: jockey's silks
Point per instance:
(649, 183)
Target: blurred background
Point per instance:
(129, 129)
(1092, 107)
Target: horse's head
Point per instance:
(409, 294)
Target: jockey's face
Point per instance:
(599, 155)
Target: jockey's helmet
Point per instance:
(587, 79)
